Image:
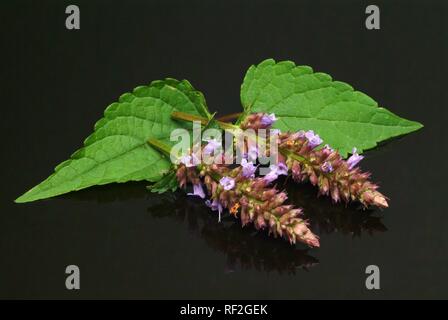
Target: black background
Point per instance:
(131, 244)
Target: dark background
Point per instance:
(55, 84)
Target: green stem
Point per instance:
(224, 125)
(230, 116)
(159, 145)
(188, 117)
(216, 176)
(294, 156)
(204, 121)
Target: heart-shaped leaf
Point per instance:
(305, 100)
(117, 150)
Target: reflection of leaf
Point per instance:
(117, 151)
(110, 193)
(307, 100)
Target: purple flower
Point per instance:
(227, 183)
(275, 132)
(197, 191)
(215, 205)
(268, 119)
(190, 160)
(252, 153)
(185, 160)
(327, 167)
(248, 168)
(354, 159)
(327, 150)
(327, 146)
(271, 176)
(276, 170)
(313, 139)
(282, 169)
(211, 146)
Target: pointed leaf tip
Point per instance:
(117, 150)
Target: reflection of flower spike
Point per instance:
(244, 250)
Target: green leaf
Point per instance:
(168, 182)
(305, 100)
(117, 150)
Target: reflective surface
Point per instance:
(129, 243)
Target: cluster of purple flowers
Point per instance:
(300, 153)
(241, 192)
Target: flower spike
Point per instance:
(340, 179)
(250, 198)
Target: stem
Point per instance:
(204, 121)
(224, 125)
(229, 116)
(288, 153)
(215, 176)
(188, 117)
(159, 145)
